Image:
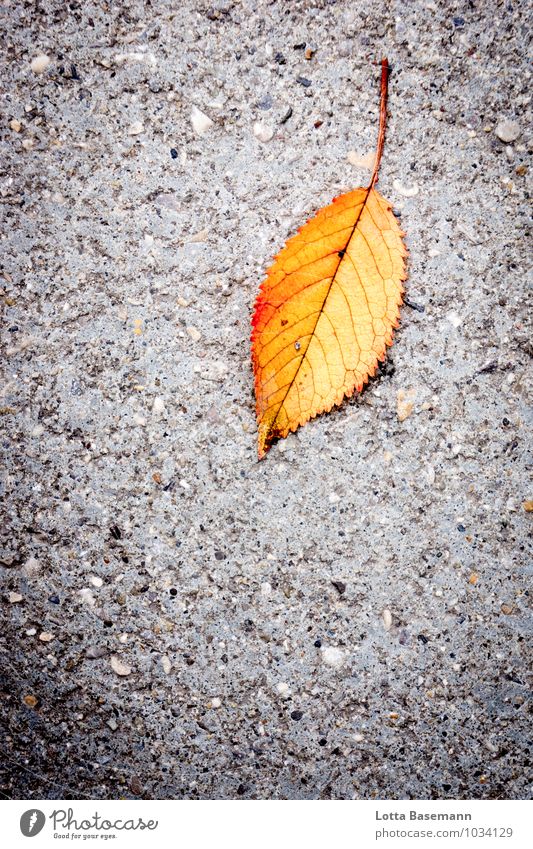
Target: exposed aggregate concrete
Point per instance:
(348, 618)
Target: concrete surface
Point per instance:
(349, 617)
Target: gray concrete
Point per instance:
(142, 536)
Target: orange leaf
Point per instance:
(328, 307)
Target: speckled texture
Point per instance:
(128, 423)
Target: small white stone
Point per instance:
(358, 738)
(138, 419)
(87, 597)
(30, 632)
(333, 657)
(166, 664)
(387, 619)
(38, 430)
(96, 581)
(262, 132)
(266, 588)
(200, 236)
(454, 319)
(215, 703)
(40, 63)
(118, 667)
(136, 128)
(46, 637)
(15, 125)
(113, 724)
(334, 498)
(215, 370)
(194, 333)
(283, 689)
(201, 123)
(433, 252)
(14, 598)
(361, 161)
(158, 405)
(507, 131)
(406, 191)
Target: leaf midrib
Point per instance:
(321, 311)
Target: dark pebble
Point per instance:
(296, 715)
(173, 591)
(322, 742)
(53, 599)
(304, 81)
(287, 115)
(317, 644)
(458, 22)
(136, 786)
(461, 528)
(173, 153)
(340, 586)
(265, 102)
(423, 639)
(409, 303)
(280, 59)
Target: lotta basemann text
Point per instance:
(414, 815)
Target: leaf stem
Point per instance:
(385, 70)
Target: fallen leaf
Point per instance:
(328, 307)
